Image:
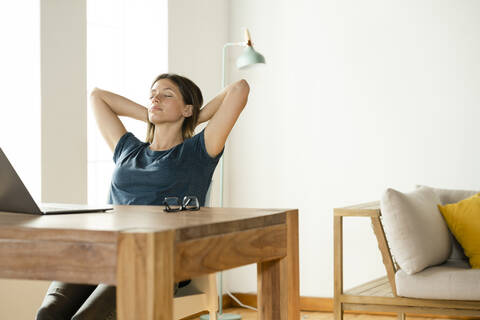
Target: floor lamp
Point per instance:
(247, 59)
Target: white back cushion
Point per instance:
(416, 232)
(208, 196)
(447, 196)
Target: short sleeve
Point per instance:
(198, 142)
(127, 143)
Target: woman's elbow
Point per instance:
(243, 85)
(95, 92)
(95, 97)
(242, 88)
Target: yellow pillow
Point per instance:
(463, 220)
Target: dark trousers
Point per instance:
(78, 302)
(65, 301)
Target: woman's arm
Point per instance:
(207, 112)
(107, 107)
(223, 119)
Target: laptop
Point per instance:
(14, 196)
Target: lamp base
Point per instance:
(223, 316)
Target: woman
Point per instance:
(173, 162)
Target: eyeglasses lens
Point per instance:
(172, 203)
(191, 203)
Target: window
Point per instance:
(20, 83)
(127, 47)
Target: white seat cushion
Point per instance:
(416, 232)
(453, 280)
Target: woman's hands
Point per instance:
(207, 112)
(121, 106)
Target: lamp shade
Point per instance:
(249, 57)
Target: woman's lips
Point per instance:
(155, 109)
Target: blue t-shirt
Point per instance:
(145, 177)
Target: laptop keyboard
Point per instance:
(51, 208)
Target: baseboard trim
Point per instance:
(317, 304)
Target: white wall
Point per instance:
(197, 31)
(356, 96)
(63, 52)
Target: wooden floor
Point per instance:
(252, 315)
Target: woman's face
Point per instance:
(166, 103)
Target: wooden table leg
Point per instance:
(278, 280)
(293, 266)
(337, 267)
(272, 290)
(145, 275)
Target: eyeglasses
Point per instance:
(173, 204)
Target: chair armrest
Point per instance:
(369, 209)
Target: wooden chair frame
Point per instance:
(380, 295)
(200, 295)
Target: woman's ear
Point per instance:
(188, 111)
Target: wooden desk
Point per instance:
(143, 250)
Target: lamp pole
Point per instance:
(228, 44)
(247, 59)
(221, 315)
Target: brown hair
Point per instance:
(191, 94)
